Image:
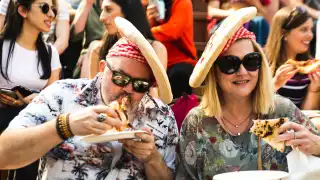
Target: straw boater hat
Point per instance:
(135, 46)
(220, 41)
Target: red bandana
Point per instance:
(125, 48)
(242, 33)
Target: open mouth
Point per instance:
(240, 82)
(48, 23)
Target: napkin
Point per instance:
(302, 166)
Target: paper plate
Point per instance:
(310, 112)
(247, 175)
(114, 136)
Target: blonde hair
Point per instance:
(274, 47)
(262, 95)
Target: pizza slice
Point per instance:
(120, 107)
(305, 67)
(267, 130)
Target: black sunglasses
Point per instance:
(45, 8)
(122, 80)
(296, 14)
(231, 64)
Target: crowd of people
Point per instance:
(81, 63)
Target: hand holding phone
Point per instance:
(8, 92)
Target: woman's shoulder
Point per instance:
(284, 107)
(195, 116)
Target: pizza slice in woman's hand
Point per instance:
(305, 67)
(268, 130)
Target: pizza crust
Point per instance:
(268, 130)
(305, 67)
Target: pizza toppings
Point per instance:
(268, 130)
(120, 107)
(305, 67)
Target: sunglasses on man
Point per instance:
(121, 79)
(231, 64)
(45, 8)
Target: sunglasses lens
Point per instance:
(140, 86)
(120, 79)
(229, 64)
(45, 8)
(252, 61)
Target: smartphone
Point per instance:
(22, 90)
(8, 92)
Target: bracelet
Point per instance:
(63, 127)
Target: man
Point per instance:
(35, 133)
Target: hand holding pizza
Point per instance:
(283, 74)
(315, 82)
(299, 138)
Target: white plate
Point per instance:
(310, 112)
(114, 136)
(247, 175)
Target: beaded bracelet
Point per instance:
(63, 127)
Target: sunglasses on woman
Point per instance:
(231, 64)
(45, 8)
(122, 80)
(296, 15)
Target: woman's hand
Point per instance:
(283, 74)
(7, 100)
(152, 15)
(315, 82)
(299, 138)
(85, 121)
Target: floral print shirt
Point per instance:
(75, 159)
(205, 149)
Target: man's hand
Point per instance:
(85, 121)
(145, 150)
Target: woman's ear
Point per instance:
(22, 11)
(102, 65)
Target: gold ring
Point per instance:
(15, 102)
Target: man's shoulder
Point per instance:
(71, 83)
(150, 102)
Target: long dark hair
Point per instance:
(134, 12)
(13, 29)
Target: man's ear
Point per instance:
(102, 65)
(22, 11)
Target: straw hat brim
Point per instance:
(217, 42)
(129, 31)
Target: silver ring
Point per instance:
(101, 117)
(294, 135)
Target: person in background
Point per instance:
(176, 34)
(134, 12)
(215, 136)
(290, 36)
(59, 31)
(26, 60)
(86, 28)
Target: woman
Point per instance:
(175, 31)
(215, 136)
(290, 35)
(134, 12)
(25, 59)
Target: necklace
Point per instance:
(233, 133)
(236, 125)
